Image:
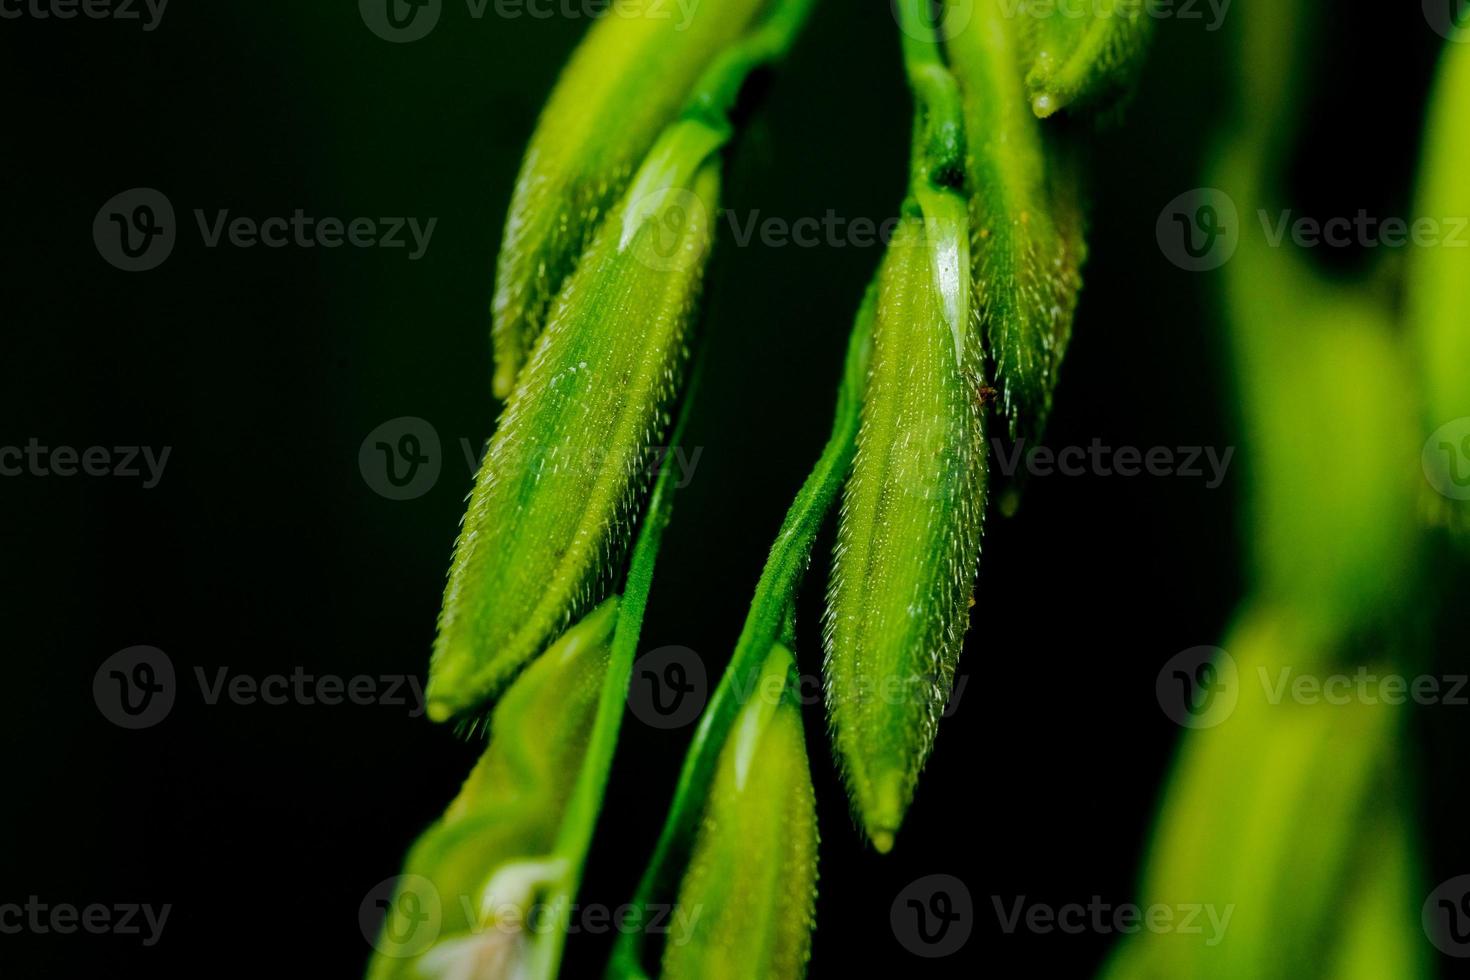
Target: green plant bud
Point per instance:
(909, 533)
(1280, 813)
(1305, 371)
(1439, 296)
(554, 504)
(461, 905)
(1026, 218)
(1083, 55)
(626, 82)
(748, 899)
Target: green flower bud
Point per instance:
(463, 904)
(748, 898)
(557, 497)
(909, 534)
(1086, 57)
(626, 82)
(1280, 813)
(1026, 219)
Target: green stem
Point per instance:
(716, 91)
(575, 836)
(939, 122)
(769, 620)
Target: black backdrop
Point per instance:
(264, 550)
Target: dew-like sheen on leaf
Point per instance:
(908, 537)
(557, 497)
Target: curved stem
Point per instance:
(769, 620)
(939, 122)
(716, 91)
(575, 836)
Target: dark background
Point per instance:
(264, 549)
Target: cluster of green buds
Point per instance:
(1294, 812)
(464, 905)
(988, 257)
(559, 493)
(610, 227)
(627, 81)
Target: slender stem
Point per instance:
(769, 620)
(716, 91)
(711, 102)
(574, 838)
(939, 122)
